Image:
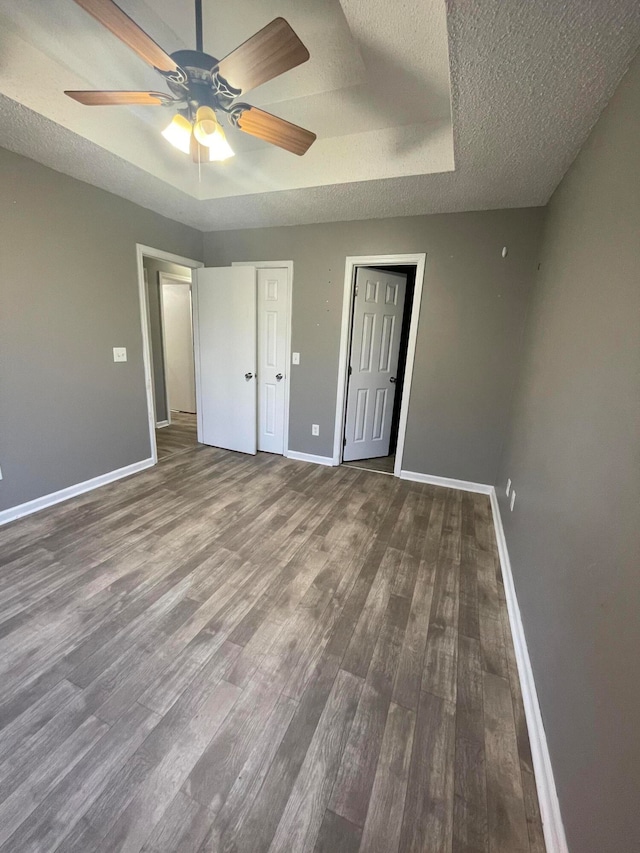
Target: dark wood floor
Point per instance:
(180, 435)
(248, 654)
(383, 464)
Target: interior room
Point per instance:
(319, 426)
(170, 330)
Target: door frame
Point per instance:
(419, 261)
(288, 265)
(172, 278)
(142, 252)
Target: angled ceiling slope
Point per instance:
(511, 89)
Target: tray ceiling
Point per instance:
(389, 89)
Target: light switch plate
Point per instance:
(119, 353)
(295, 358)
(315, 429)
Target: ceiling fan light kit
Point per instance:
(178, 133)
(201, 85)
(209, 132)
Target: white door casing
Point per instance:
(178, 346)
(273, 310)
(375, 347)
(224, 308)
(143, 252)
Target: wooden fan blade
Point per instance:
(275, 130)
(267, 54)
(126, 29)
(96, 99)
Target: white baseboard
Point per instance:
(36, 505)
(552, 825)
(445, 482)
(162, 424)
(310, 457)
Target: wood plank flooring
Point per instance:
(230, 654)
(383, 464)
(179, 436)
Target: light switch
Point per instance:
(295, 358)
(119, 353)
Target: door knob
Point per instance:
(248, 376)
(392, 379)
(278, 376)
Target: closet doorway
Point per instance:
(242, 320)
(379, 330)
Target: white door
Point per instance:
(273, 310)
(375, 347)
(225, 329)
(178, 347)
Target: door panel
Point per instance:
(226, 335)
(178, 347)
(273, 310)
(375, 348)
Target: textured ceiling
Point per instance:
(528, 81)
(377, 97)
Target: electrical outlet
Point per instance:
(315, 429)
(513, 500)
(119, 353)
(508, 489)
(295, 358)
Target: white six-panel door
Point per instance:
(226, 349)
(178, 347)
(273, 309)
(375, 348)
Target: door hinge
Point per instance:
(350, 370)
(355, 290)
(344, 441)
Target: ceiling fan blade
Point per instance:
(267, 54)
(275, 130)
(96, 99)
(126, 29)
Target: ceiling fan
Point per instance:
(201, 85)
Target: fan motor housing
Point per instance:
(194, 59)
(205, 86)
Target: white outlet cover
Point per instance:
(295, 358)
(119, 353)
(315, 429)
(513, 500)
(508, 489)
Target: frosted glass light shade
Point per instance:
(178, 133)
(208, 131)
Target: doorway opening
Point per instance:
(379, 331)
(165, 283)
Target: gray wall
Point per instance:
(68, 294)
(471, 321)
(154, 268)
(574, 457)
